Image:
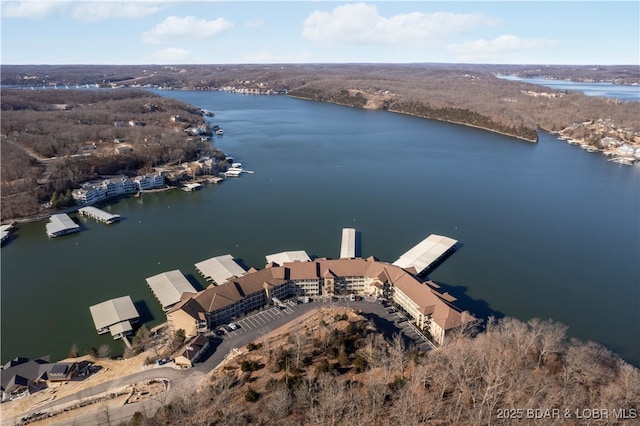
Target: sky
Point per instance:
(243, 32)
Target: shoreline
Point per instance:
(74, 209)
(420, 116)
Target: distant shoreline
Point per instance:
(420, 116)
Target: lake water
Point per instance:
(623, 92)
(547, 230)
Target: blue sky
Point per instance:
(223, 32)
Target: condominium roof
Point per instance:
(425, 253)
(168, 287)
(288, 256)
(220, 268)
(348, 244)
(113, 311)
(59, 224)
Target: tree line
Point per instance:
(337, 373)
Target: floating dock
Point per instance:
(99, 215)
(61, 224)
(426, 253)
(348, 245)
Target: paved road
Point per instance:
(249, 329)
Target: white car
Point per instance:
(233, 326)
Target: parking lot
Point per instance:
(262, 320)
(260, 323)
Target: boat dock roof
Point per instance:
(99, 215)
(288, 256)
(192, 186)
(111, 313)
(426, 253)
(348, 245)
(61, 224)
(168, 287)
(220, 268)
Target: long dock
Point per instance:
(99, 215)
(426, 253)
(348, 245)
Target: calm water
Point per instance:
(548, 230)
(623, 92)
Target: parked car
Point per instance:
(233, 326)
(163, 361)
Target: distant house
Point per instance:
(144, 183)
(93, 192)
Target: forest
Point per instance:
(463, 93)
(50, 145)
(336, 369)
(52, 140)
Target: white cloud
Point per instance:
(187, 28)
(504, 44)
(32, 9)
(361, 23)
(173, 55)
(97, 11)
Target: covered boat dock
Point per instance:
(426, 253)
(61, 224)
(348, 244)
(99, 215)
(288, 256)
(168, 287)
(115, 316)
(220, 268)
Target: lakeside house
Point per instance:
(21, 377)
(92, 192)
(429, 308)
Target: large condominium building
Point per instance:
(95, 191)
(429, 308)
